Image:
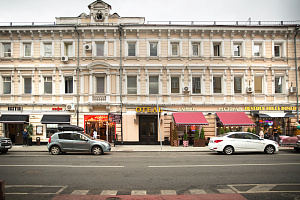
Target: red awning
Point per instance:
(189, 118)
(234, 119)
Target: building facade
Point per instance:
(125, 78)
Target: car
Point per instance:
(76, 141)
(231, 142)
(288, 141)
(5, 144)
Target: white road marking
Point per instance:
(225, 191)
(168, 192)
(229, 165)
(68, 166)
(262, 188)
(109, 192)
(79, 192)
(197, 191)
(138, 192)
(36, 186)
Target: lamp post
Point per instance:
(296, 71)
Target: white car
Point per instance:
(242, 142)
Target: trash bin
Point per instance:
(38, 141)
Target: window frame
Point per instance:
(27, 50)
(96, 84)
(234, 85)
(4, 53)
(176, 44)
(255, 85)
(67, 86)
(213, 84)
(193, 81)
(5, 82)
(96, 48)
(176, 87)
(133, 87)
(129, 53)
(44, 49)
(49, 82)
(282, 85)
(156, 84)
(157, 48)
(24, 85)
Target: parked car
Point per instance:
(75, 141)
(241, 142)
(287, 141)
(5, 144)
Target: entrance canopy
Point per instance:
(17, 119)
(275, 115)
(55, 119)
(189, 118)
(234, 119)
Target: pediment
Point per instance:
(99, 4)
(99, 65)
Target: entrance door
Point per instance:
(148, 129)
(15, 133)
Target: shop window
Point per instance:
(153, 85)
(278, 84)
(131, 49)
(100, 48)
(153, 48)
(47, 49)
(50, 129)
(6, 85)
(27, 85)
(196, 85)
(237, 85)
(7, 50)
(131, 85)
(48, 85)
(68, 85)
(217, 84)
(258, 85)
(100, 85)
(174, 84)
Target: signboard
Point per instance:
(270, 108)
(39, 130)
(114, 118)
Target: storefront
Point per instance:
(52, 121)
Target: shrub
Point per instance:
(202, 136)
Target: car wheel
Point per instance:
(97, 150)
(4, 151)
(228, 150)
(55, 150)
(270, 149)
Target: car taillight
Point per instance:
(217, 141)
(49, 141)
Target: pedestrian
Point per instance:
(95, 134)
(25, 137)
(275, 134)
(267, 134)
(261, 133)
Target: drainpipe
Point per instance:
(77, 73)
(121, 80)
(296, 70)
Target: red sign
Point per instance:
(193, 128)
(95, 118)
(58, 108)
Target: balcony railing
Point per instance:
(99, 98)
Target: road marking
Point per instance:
(225, 191)
(138, 192)
(68, 166)
(262, 188)
(229, 165)
(168, 192)
(36, 186)
(79, 192)
(109, 192)
(197, 191)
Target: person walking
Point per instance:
(261, 133)
(95, 134)
(275, 134)
(25, 137)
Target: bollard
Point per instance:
(2, 190)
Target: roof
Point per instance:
(189, 118)
(98, 1)
(234, 119)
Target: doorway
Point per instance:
(14, 132)
(148, 130)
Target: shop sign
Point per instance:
(58, 109)
(230, 109)
(147, 109)
(15, 108)
(187, 109)
(114, 118)
(95, 118)
(270, 108)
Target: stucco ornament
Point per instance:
(99, 16)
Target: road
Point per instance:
(39, 175)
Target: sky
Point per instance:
(155, 10)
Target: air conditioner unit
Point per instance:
(249, 89)
(64, 58)
(88, 47)
(186, 89)
(293, 90)
(70, 107)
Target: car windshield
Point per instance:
(223, 135)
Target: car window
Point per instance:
(251, 136)
(79, 137)
(65, 136)
(238, 136)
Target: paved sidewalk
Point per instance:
(129, 148)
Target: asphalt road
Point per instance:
(39, 175)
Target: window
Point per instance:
(153, 85)
(217, 49)
(257, 50)
(65, 136)
(237, 50)
(48, 85)
(131, 49)
(79, 137)
(131, 85)
(6, 85)
(100, 85)
(27, 85)
(50, 129)
(153, 48)
(175, 49)
(237, 85)
(47, 49)
(217, 85)
(100, 49)
(68, 85)
(278, 84)
(258, 84)
(7, 50)
(68, 49)
(195, 48)
(277, 51)
(196, 83)
(27, 49)
(174, 84)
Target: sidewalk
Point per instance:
(128, 148)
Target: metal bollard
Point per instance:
(2, 190)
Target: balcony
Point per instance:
(99, 98)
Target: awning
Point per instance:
(55, 119)
(234, 119)
(189, 118)
(17, 119)
(275, 115)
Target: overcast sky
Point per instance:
(155, 10)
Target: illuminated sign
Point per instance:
(147, 109)
(95, 118)
(58, 108)
(187, 109)
(270, 108)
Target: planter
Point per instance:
(199, 143)
(185, 143)
(176, 143)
